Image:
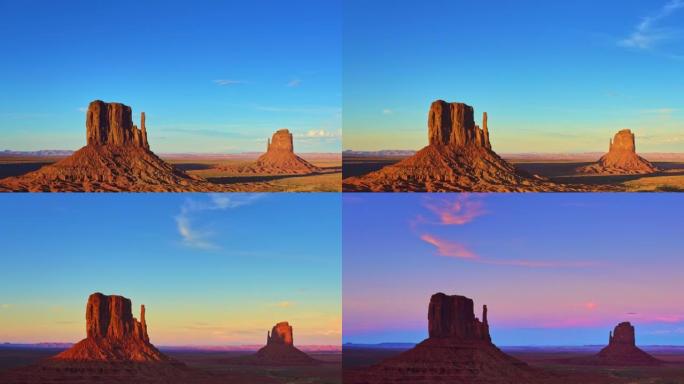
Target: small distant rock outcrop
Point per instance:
(113, 334)
(459, 157)
(280, 349)
(458, 350)
(117, 157)
(622, 349)
(621, 158)
(279, 159)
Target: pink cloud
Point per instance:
(462, 210)
(456, 250)
(449, 249)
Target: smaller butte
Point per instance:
(279, 159)
(621, 158)
(280, 349)
(622, 349)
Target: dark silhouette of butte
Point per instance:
(459, 350)
(279, 159)
(622, 349)
(117, 157)
(280, 349)
(621, 158)
(116, 349)
(459, 157)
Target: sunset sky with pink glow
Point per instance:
(553, 269)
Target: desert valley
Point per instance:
(117, 157)
(460, 157)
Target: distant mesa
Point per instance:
(622, 349)
(117, 157)
(113, 334)
(279, 159)
(621, 158)
(459, 157)
(458, 350)
(280, 349)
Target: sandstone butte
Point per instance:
(279, 159)
(113, 334)
(621, 158)
(280, 349)
(459, 350)
(459, 157)
(622, 349)
(117, 157)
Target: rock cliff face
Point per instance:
(453, 316)
(117, 157)
(621, 158)
(459, 157)
(113, 334)
(458, 351)
(279, 159)
(280, 349)
(622, 349)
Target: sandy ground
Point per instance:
(669, 179)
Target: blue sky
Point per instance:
(553, 269)
(211, 269)
(554, 76)
(212, 76)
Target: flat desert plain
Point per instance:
(209, 366)
(207, 166)
(553, 360)
(559, 168)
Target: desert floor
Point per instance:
(218, 366)
(205, 166)
(669, 179)
(551, 358)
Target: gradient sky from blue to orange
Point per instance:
(211, 269)
(553, 269)
(212, 76)
(554, 76)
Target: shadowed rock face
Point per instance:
(113, 334)
(622, 349)
(112, 123)
(621, 158)
(453, 316)
(458, 351)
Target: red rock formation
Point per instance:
(279, 159)
(622, 349)
(116, 158)
(458, 351)
(280, 349)
(113, 334)
(621, 158)
(459, 157)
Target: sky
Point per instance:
(211, 269)
(554, 76)
(553, 269)
(213, 76)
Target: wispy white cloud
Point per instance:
(387, 111)
(227, 82)
(649, 32)
(82, 109)
(294, 83)
(200, 238)
(318, 134)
